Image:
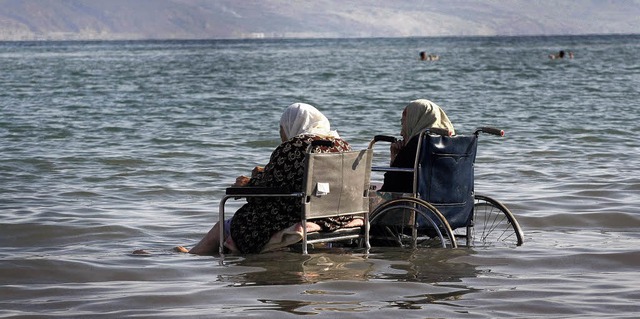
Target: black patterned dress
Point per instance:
(256, 221)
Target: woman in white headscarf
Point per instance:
(417, 116)
(301, 118)
(254, 223)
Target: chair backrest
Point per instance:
(445, 175)
(337, 183)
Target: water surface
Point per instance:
(109, 147)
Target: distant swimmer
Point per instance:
(428, 57)
(561, 55)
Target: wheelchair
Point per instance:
(334, 184)
(443, 209)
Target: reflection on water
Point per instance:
(333, 280)
(395, 264)
(431, 265)
(289, 268)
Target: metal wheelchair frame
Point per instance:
(492, 222)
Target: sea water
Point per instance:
(111, 147)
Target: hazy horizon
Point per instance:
(232, 19)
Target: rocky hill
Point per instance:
(218, 19)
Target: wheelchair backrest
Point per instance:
(337, 183)
(444, 175)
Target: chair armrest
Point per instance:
(256, 191)
(391, 169)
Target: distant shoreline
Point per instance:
(311, 38)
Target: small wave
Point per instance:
(129, 162)
(179, 155)
(118, 129)
(261, 143)
(602, 221)
(80, 194)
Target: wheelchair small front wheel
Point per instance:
(494, 224)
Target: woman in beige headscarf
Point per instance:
(253, 224)
(417, 116)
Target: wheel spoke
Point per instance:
(494, 224)
(392, 216)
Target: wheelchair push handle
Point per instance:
(439, 131)
(384, 138)
(490, 130)
(391, 139)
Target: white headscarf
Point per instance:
(301, 118)
(422, 114)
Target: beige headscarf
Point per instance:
(422, 114)
(301, 118)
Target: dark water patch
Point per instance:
(124, 162)
(32, 165)
(103, 179)
(158, 191)
(173, 141)
(588, 261)
(79, 194)
(613, 219)
(179, 155)
(48, 236)
(261, 143)
(119, 129)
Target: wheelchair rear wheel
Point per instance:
(493, 225)
(393, 223)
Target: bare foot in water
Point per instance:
(180, 249)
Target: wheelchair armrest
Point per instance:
(255, 190)
(391, 169)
